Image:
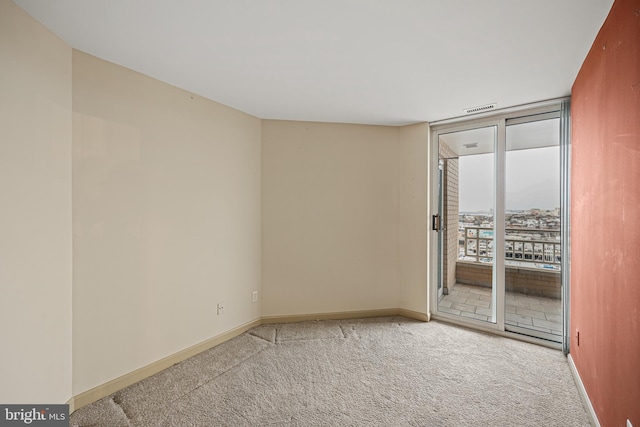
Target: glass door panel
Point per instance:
(465, 224)
(532, 229)
(500, 243)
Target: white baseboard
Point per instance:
(72, 406)
(416, 315)
(110, 387)
(583, 393)
(126, 380)
(341, 315)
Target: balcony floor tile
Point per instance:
(532, 312)
(478, 303)
(517, 319)
(474, 316)
(464, 307)
(484, 311)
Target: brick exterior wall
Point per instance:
(451, 211)
(528, 281)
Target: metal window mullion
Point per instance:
(565, 220)
(499, 227)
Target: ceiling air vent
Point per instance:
(480, 109)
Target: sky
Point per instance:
(532, 180)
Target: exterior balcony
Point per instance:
(532, 278)
(527, 311)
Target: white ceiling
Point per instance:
(356, 61)
(522, 136)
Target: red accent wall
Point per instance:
(605, 215)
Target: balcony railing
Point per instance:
(532, 246)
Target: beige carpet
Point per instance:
(370, 372)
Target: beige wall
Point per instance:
(35, 217)
(343, 217)
(412, 217)
(166, 206)
(166, 216)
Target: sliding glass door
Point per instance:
(533, 303)
(497, 223)
(465, 223)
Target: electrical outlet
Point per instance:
(254, 296)
(220, 308)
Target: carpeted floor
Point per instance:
(369, 372)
